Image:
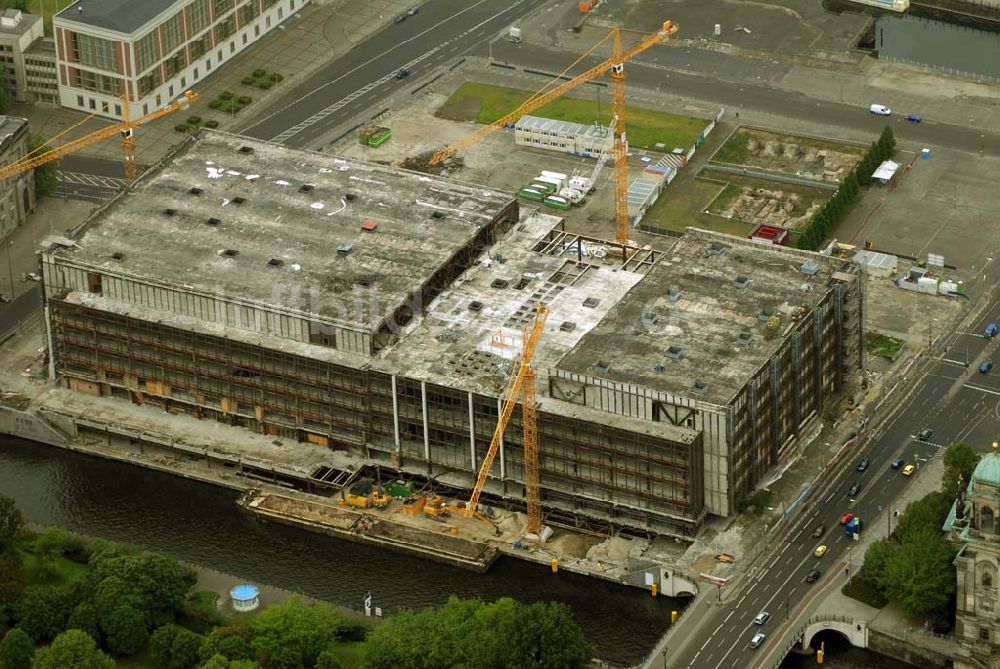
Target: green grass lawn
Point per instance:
(645, 128)
(349, 654)
(683, 203)
(884, 345)
(46, 8)
(51, 571)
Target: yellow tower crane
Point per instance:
(125, 129)
(619, 149)
(521, 385)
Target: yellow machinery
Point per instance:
(619, 149)
(521, 385)
(125, 129)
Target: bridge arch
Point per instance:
(856, 632)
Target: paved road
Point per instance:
(91, 179)
(662, 68)
(14, 312)
(954, 400)
(439, 35)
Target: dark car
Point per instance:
(813, 576)
(898, 463)
(820, 529)
(862, 464)
(925, 434)
(855, 489)
(400, 18)
(914, 118)
(986, 367)
(403, 73)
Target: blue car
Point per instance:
(913, 118)
(898, 463)
(986, 366)
(990, 331)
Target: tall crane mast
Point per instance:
(125, 129)
(619, 151)
(521, 385)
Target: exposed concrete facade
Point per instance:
(17, 194)
(18, 31)
(393, 316)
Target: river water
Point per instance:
(201, 524)
(944, 46)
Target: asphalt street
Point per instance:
(662, 68)
(440, 34)
(954, 400)
(91, 179)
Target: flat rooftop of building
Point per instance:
(705, 318)
(16, 22)
(277, 226)
(562, 128)
(123, 16)
(10, 126)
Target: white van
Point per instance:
(881, 110)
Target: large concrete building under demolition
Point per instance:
(379, 311)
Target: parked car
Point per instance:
(757, 640)
(412, 10)
(813, 575)
(761, 618)
(846, 518)
(898, 462)
(862, 464)
(908, 470)
(400, 18)
(991, 331)
(986, 366)
(403, 73)
(31, 276)
(820, 550)
(913, 118)
(881, 110)
(853, 491)
(820, 529)
(925, 434)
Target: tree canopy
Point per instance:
(470, 633)
(11, 524)
(72, 650)
(920, 577)
(293, 634)
(16, 649)
(960, 461)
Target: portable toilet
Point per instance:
(245, 598)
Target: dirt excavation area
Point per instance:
(804, 157)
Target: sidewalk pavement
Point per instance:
(315, 35)
(52, 216)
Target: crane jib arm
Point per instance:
(668, 29)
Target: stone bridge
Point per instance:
(855, 632)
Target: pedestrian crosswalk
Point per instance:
(82, 179)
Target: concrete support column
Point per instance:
(427, 431)
(395, 413)
(472, 437)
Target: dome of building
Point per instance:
(988, 469)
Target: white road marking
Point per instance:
(323, 113)
(981, 389)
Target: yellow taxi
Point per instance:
(908, 470)
(820, 550)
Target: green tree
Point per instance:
(14, 4)
(184, 650)
(153, 584)
(887, 143)
(921, 577)
(11, 523)
(243, 664)
(72, 650)
(469, 633)
(216, 662)
(295, 632)
(16, 649)
(84, 617)
(125, 630)
(926, 515)
(43, 611)
(46, 174)
(960, 460)
(6, 99)
(161, 642)
(328, 660)
(223, 641)
(877, 558)
(11, 582)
